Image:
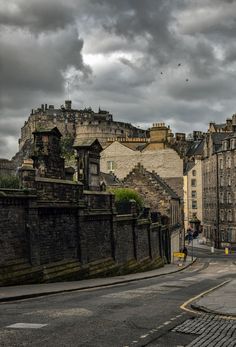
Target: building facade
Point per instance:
(219, 181)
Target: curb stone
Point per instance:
(35, 295)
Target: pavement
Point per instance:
(12, 293)
(220, 300)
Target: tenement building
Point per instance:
(219, 181)
(193, 182)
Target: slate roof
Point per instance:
(48, 130)
(164, 185)
(189, 165)
(196, 148)
(86, 143)
(109, 179)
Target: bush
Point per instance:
(11, 182)
(123, 197)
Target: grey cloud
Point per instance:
(37, 16)
(129, 43)
(32, 65)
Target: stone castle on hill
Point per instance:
(77, 123)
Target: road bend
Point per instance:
(141, 313)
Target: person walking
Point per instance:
(185, 251)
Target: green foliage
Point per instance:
(123, 195)
(9, 182)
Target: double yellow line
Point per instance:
(185, 308)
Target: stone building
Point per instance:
(228, 126)
(53, 229)
(219, 181)
(156, 155)
(159, 196)
(75, 124)
(193, 184)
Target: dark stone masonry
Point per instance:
(52, 229)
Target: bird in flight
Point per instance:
(186, 80)
(179, 64)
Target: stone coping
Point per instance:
(58, 181)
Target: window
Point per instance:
(223, 238)
(229, 200)
(221, 164)
(229, 162)
(222, 215)
(111, 166)
(194, 204)
(229, 180)
(221, 197)
(221, 181)
(229, 216)
(194, 172)
(193, 182)
(233, 143)
(194, 194)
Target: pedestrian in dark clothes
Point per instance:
(185, 251)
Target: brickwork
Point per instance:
(124, 235)
(143, 239)
(40, 233)
(14, 242)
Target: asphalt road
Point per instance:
(141, 313)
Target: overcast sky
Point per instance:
(143, 60)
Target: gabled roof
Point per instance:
(110, 179)
(193, 148)
(48, 131)
(154, 177)
(87, 143)
(189, 166)
(217, 138)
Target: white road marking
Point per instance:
(166, 323)
(26, 326)
(143, 336)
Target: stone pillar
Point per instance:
(27, 176)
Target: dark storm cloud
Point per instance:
(122, 55)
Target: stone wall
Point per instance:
(35, 234)
(14, 241)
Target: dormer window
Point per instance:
(233, 143)
(225, 145)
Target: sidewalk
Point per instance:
(221, 301)
(12, 293)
